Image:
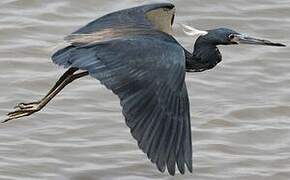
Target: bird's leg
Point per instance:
(26, 109)
(69, 72)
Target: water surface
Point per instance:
(240, 110)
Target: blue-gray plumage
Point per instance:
(133, 53)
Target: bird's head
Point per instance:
(225, 36)
(206, 54)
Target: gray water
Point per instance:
(240, 110)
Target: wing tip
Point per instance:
(189, 167)
(171, 168)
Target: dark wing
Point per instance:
(147, 74)
(125, 23)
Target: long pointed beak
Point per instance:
(243, 39)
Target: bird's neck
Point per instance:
(205, 56)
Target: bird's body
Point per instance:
(133, 53)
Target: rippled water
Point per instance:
(240, 109)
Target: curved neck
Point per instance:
(205, 56)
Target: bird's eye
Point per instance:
(231, 36)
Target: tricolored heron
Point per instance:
(133, 53)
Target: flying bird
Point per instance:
(134, 54)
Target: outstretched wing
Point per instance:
(147, 73)
(124, 23)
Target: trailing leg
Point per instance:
(26, 109)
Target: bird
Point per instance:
(133, 53)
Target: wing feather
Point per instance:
(125, 23)
(148, 76)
